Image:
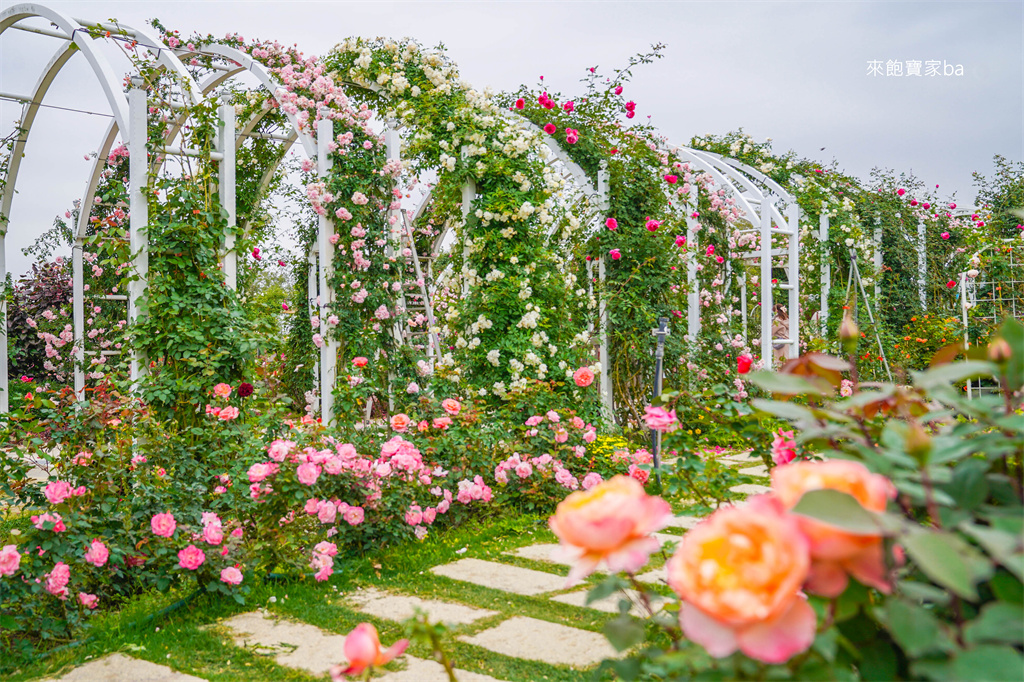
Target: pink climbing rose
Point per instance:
(163, 524)
(191, 557)
(97, 554)
(231, 575)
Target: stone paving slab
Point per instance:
(686, 522)
(422, 670)
(121, 668)
(539, 640)
(398, 607)
(609, 604)
(750, 489)
(501, 576)
(293, 645)
(760, 470)
(542, 552)
(654, 576)
(743, 457)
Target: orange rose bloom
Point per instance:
(836, 554)
(739, 574)
(611, 522)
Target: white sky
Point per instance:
(792, 71)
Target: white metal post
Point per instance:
(468, 196)
(922, 265)
(311, 305)
(78, 314)
(138, 185)
(963, 316)
(393, 146)
(329, 348)
(226, 186)
(692, 281)
(793, 277)
(607, 396)
(5, 403)
(826, 270)
(878, 269)
(767, 360)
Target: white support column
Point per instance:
(78, 314)
(329, 349)
(138, 184)
(607, 398)
(793, 277)
(607, 394)
(226, 186)
(878, 269)
(312, 296)
(922, 265)
(393, 145)
(468, 196)
(826, 270)
(743, 307)
(767, 204)
(964, 305)
(5, 402)
(693, 282)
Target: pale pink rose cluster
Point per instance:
(58, 491)
(783, 448)
(41, 520)
(323, 560)
(328, 511)
(470, 490)
(660, 419)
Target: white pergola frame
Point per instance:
(771, 210)
(755, 194)
(130, 115)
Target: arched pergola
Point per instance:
(770, 210)
(129, 121)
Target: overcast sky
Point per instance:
(797, 72)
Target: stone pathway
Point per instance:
(121, 668)
(302, 646)
(540, 640)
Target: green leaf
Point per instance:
(1007, 588)
(838, 509)
(943, 375)
(785, 384)
(988, 663)
(785, 410)
(1005, 547)
(605, 589)
(999, 622)
(916, 629)
(623, 632)
(969, 487)
(1013, 332)
(948, 560)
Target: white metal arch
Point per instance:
(79, 39)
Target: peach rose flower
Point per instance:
(611, 522)
(837, 554)
(739, 574)
(222, 390)
(400, 422)
(451, 406)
